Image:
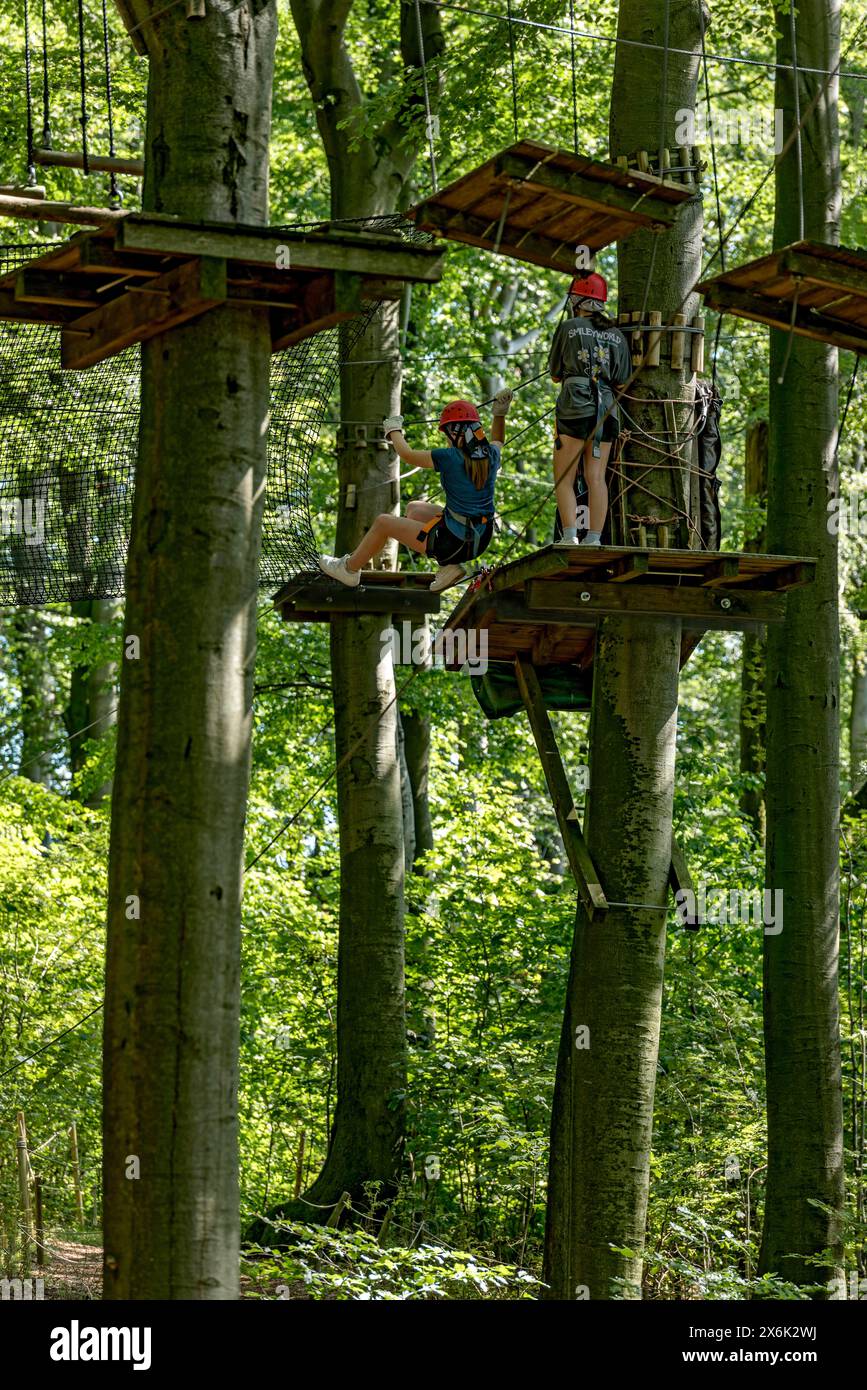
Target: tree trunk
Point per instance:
(407, 812)
(370, 179)
(91, 709)
(37, 693)
(417, 731)
(752, 713)
(802, 1043)
(858, 726)
(603, 1100)
(172, 989)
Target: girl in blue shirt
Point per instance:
(454, 533)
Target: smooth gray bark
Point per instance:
(802, 1040)
(603, 1101)
(184, 726)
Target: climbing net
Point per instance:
(68, 445)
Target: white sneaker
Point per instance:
(336, 568)
(446, 576)
(589, 542)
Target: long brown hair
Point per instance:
(477, 469)
(477, 456)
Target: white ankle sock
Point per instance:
(592, 538)
(570, 533)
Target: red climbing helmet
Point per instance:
(459, 413)
(590, 286)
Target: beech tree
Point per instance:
(602, 1115)
(170, 1173)
(371, 171)
(801, 1004)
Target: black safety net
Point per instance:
(68, 443)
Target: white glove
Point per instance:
(392, 423)
(501, 403)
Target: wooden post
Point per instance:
(654, 340)
(24, 1194)
(677, 344)
(698, 344)
(41, 1257)
(685, 158)
(582, 866)
(299, 1165)
(637, 339)
(76, 1171)
(339, 1208)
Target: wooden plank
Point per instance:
(327, 597)
(506, 608)
(46, 211)
(25, 190)
(721, 571)
(97, 163)
(360, 254)
(184, 293)
(580, 861)
(41, 287)
(824, 271)
(630, 567)
(96, 255)
(644, 210)
(791, 577)
(14, 310)
(475, 231)
(778, 314)
(660, 600)
(550, 560)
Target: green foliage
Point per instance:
(339, 1265)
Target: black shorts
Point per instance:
(583, 427)
(448, 549)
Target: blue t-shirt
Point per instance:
(461, 496)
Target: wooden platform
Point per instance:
(545, 607)
(537, 204)
(137, 275)
(313, 598)
(830, 283)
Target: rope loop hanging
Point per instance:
(514, 70)
(28, 88)
(115, 198)
(82, 73)
(46, 112)
(429, 122)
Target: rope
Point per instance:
(662, 105)
(628, 43)
(427, 110)
(82, 72)
(574, 76)
(514, 71)
(845, 415)
(46, 114)
(21, 1061)
(114, 197)
(797, 99)
(31, 162)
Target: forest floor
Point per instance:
(74, 1274)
